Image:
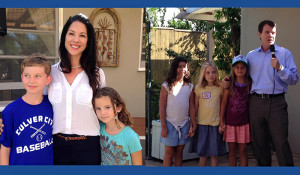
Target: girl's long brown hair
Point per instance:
(172, 74)
(116, 100)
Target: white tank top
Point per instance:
(177, 111)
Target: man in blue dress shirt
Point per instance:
(267, 104)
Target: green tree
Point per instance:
(226, 37)
(179, 24)
(156, 15)
(193, 25)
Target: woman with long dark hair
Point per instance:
(76, 77)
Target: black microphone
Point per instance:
(272, 49)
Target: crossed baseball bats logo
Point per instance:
(37, 130)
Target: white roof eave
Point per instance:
(204, 14)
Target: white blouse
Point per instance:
(73, 111)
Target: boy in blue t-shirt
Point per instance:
(27, 131)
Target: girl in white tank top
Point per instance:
(176, 106)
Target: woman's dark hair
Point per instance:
(88, 60)
(172, 74)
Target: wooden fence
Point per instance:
(177, 40)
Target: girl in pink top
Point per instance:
(234, 115)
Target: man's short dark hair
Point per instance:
(265, 22)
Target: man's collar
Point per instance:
(261, 50)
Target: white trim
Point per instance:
(22, 57)
(141, 41)
(3, 104)
(28, 31)
(141, 69)
(11, 85)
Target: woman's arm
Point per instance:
(162, 110)
(137, 158)
(222, 110)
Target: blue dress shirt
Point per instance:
(262, 73)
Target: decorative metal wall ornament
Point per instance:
(107, 26)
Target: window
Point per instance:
(29, 30)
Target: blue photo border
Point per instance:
(137, 170)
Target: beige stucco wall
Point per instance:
(288, 28)
(126, 78)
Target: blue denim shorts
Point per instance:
(172, 138)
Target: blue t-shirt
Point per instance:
(28, 132)
(117, 149)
